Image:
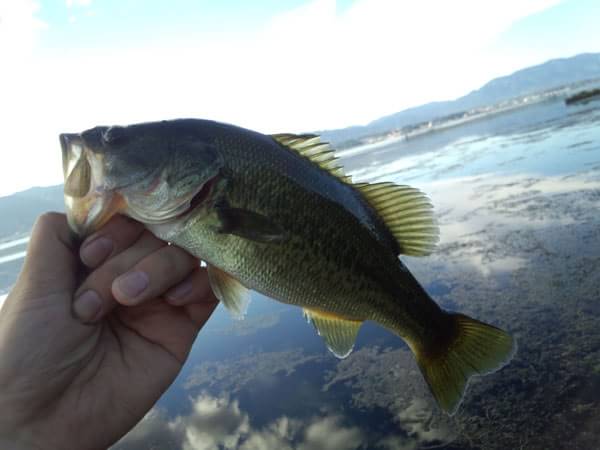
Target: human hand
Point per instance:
(78, 374)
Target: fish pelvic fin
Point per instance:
(234, 296)
(469, 348)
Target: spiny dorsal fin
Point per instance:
(311, 147)
(338, 333)
(408, 214)
(234, 296)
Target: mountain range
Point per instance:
(19, 211)
(549, 75)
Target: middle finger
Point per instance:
(153, 275)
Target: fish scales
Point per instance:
(370, 272)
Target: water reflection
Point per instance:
(520, 248)
(561, 144)
(477, 213)
(15, 243)
(12, 257)
(219, 422)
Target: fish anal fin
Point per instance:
(338, 333)
(470, 347)
(234, 296)
(408, 214)
(310, 147)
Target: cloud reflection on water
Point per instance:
(219, 423)
(519, 248)
(476, 212)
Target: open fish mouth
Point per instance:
(88, 203)
(92, 199)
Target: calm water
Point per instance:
(517, 197)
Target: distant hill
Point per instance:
(20, 210)
(551, 74)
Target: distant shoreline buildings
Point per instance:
(462, 117)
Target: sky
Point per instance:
(269, 65)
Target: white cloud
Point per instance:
(19, 30)
(75, 3)
(278, 434)
(416, 420)
(214, 423)
(309, 68)
(218, 423)
(328, 433)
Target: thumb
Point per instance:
(51, 263)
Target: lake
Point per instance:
(517, 198)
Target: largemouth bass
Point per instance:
(276, 214)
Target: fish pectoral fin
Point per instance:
(249, 225)
(234, 296)
(408, 214)
(338, 332)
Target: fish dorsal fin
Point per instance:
(338, 333)
(408, 214)
(406, 211)
(234, 296)
(311, 147)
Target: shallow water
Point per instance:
(516, 197)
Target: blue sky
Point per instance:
(275, 66)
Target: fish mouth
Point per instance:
(85, 216)
(88, 203)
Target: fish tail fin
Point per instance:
(468, 347)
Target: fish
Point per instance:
(278, 215)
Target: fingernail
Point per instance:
(179, 291)
(132, 284)
(95, 252)
(87, 306)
